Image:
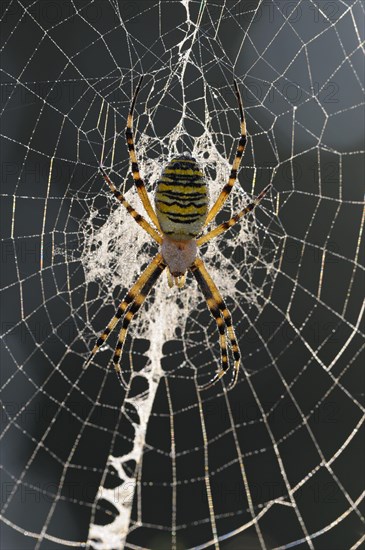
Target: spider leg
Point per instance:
(141, 189)
(156, 266)
(137, 217)
(226, 225)
(235, 166)
(144, 290)
(223, 319)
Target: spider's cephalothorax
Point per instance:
(182, 212)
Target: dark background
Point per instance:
(298, 62)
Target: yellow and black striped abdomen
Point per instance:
(181, 199)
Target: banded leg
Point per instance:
(158, 268)
(137, 217)
(128, 300)
(236, 163)
(218, 309)
(141, 189)
(214, 310)
(226, 225)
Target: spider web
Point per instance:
(274, 463)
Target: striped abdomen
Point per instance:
(181, 199)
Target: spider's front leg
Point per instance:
(223, 319)
(158, 265)
(132, 302)
(213, 298)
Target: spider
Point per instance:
(181, 213)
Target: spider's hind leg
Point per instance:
(135, 215)
(217, 206)
(236, 218)
(138, 181)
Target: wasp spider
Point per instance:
(181, 213)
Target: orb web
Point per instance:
(271, 463)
